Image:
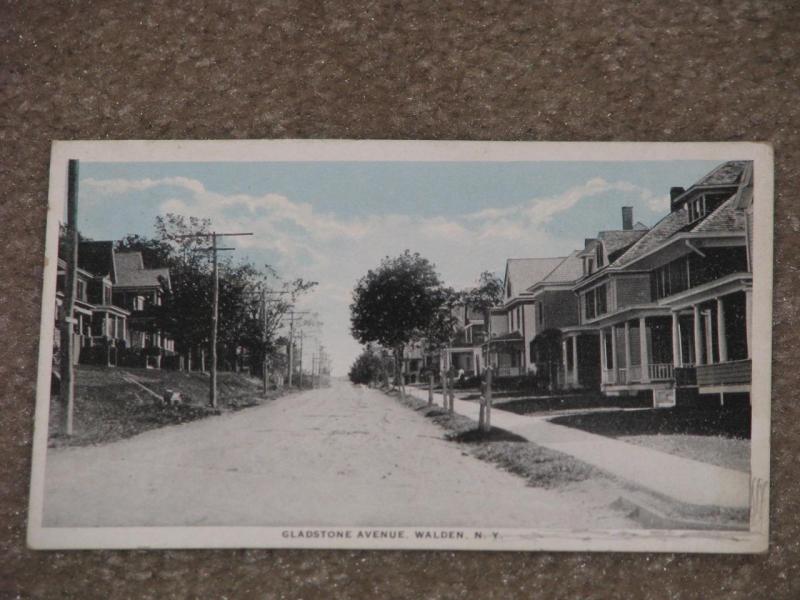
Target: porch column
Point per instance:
(575, 360)
(676, 341)
(748, 318)
(722, 340)
(645, 351)
(709, 339)
(603, 356)
(627, 351)
(614, 361)
(698, 340)
(564, 359)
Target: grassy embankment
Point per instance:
(109, 406)
(541, 467)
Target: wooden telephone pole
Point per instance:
(67, 359)
(292, 313)
(214, 249)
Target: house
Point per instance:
(512, 326)
(464, 353)
(554, 311)
(671, 307)
(100, 328)
(113, 289)
(137, 288)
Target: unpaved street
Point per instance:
(337, 456)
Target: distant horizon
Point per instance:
(331, 222)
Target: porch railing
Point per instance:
(508, 371)
(660, 371)
(736, 372)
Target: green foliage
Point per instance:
(367, 368)
(487, 294)
(185, 313)
(396, 302)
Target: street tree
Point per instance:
(367, 367)
(485, 296)
(394, 303)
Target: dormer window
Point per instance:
(508, 290)
(704, 204)
(599, 254)
(696, 208)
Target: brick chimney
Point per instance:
(627, 218)
(674, 192)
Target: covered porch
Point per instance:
(505, 353)
(580, 359)
(636, 354)
(711, 325)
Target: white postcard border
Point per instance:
(638, 540)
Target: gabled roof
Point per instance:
(570, 269)
(725, 218)
(131, 271)
(620, 239)
(526, 272)
(728, 173)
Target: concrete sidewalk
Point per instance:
(681, 479)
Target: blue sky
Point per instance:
(331, 221)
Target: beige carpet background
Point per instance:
(558, 70)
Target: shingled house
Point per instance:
(113, 290)
(511, 327)
(671, 307)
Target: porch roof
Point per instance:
(729, 284)
(630, 312)
(514, 336)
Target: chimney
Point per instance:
(627, 218)
(674, 192)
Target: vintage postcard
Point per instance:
(406, 345)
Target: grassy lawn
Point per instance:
(538, 404)
(541, 467)
(109, 408)
(715, 436)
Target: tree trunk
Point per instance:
(444, 389)
(400, 375)
(451, 393)
(487, 422)
(430, 388)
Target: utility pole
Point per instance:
(300, 371)
(214, 249)
(292, 313)
(67, 387)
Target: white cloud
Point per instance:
(300, 241)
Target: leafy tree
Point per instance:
(367, 368)
(186, 308)
(486, 295)
(396, 303)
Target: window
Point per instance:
(599, 254)
(107, 294)
(602, 302)
(540, 306)
(596, 302)
(508, 290)
(697, 208)
(81, 291)
(589, 304)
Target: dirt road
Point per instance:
(337, 456)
